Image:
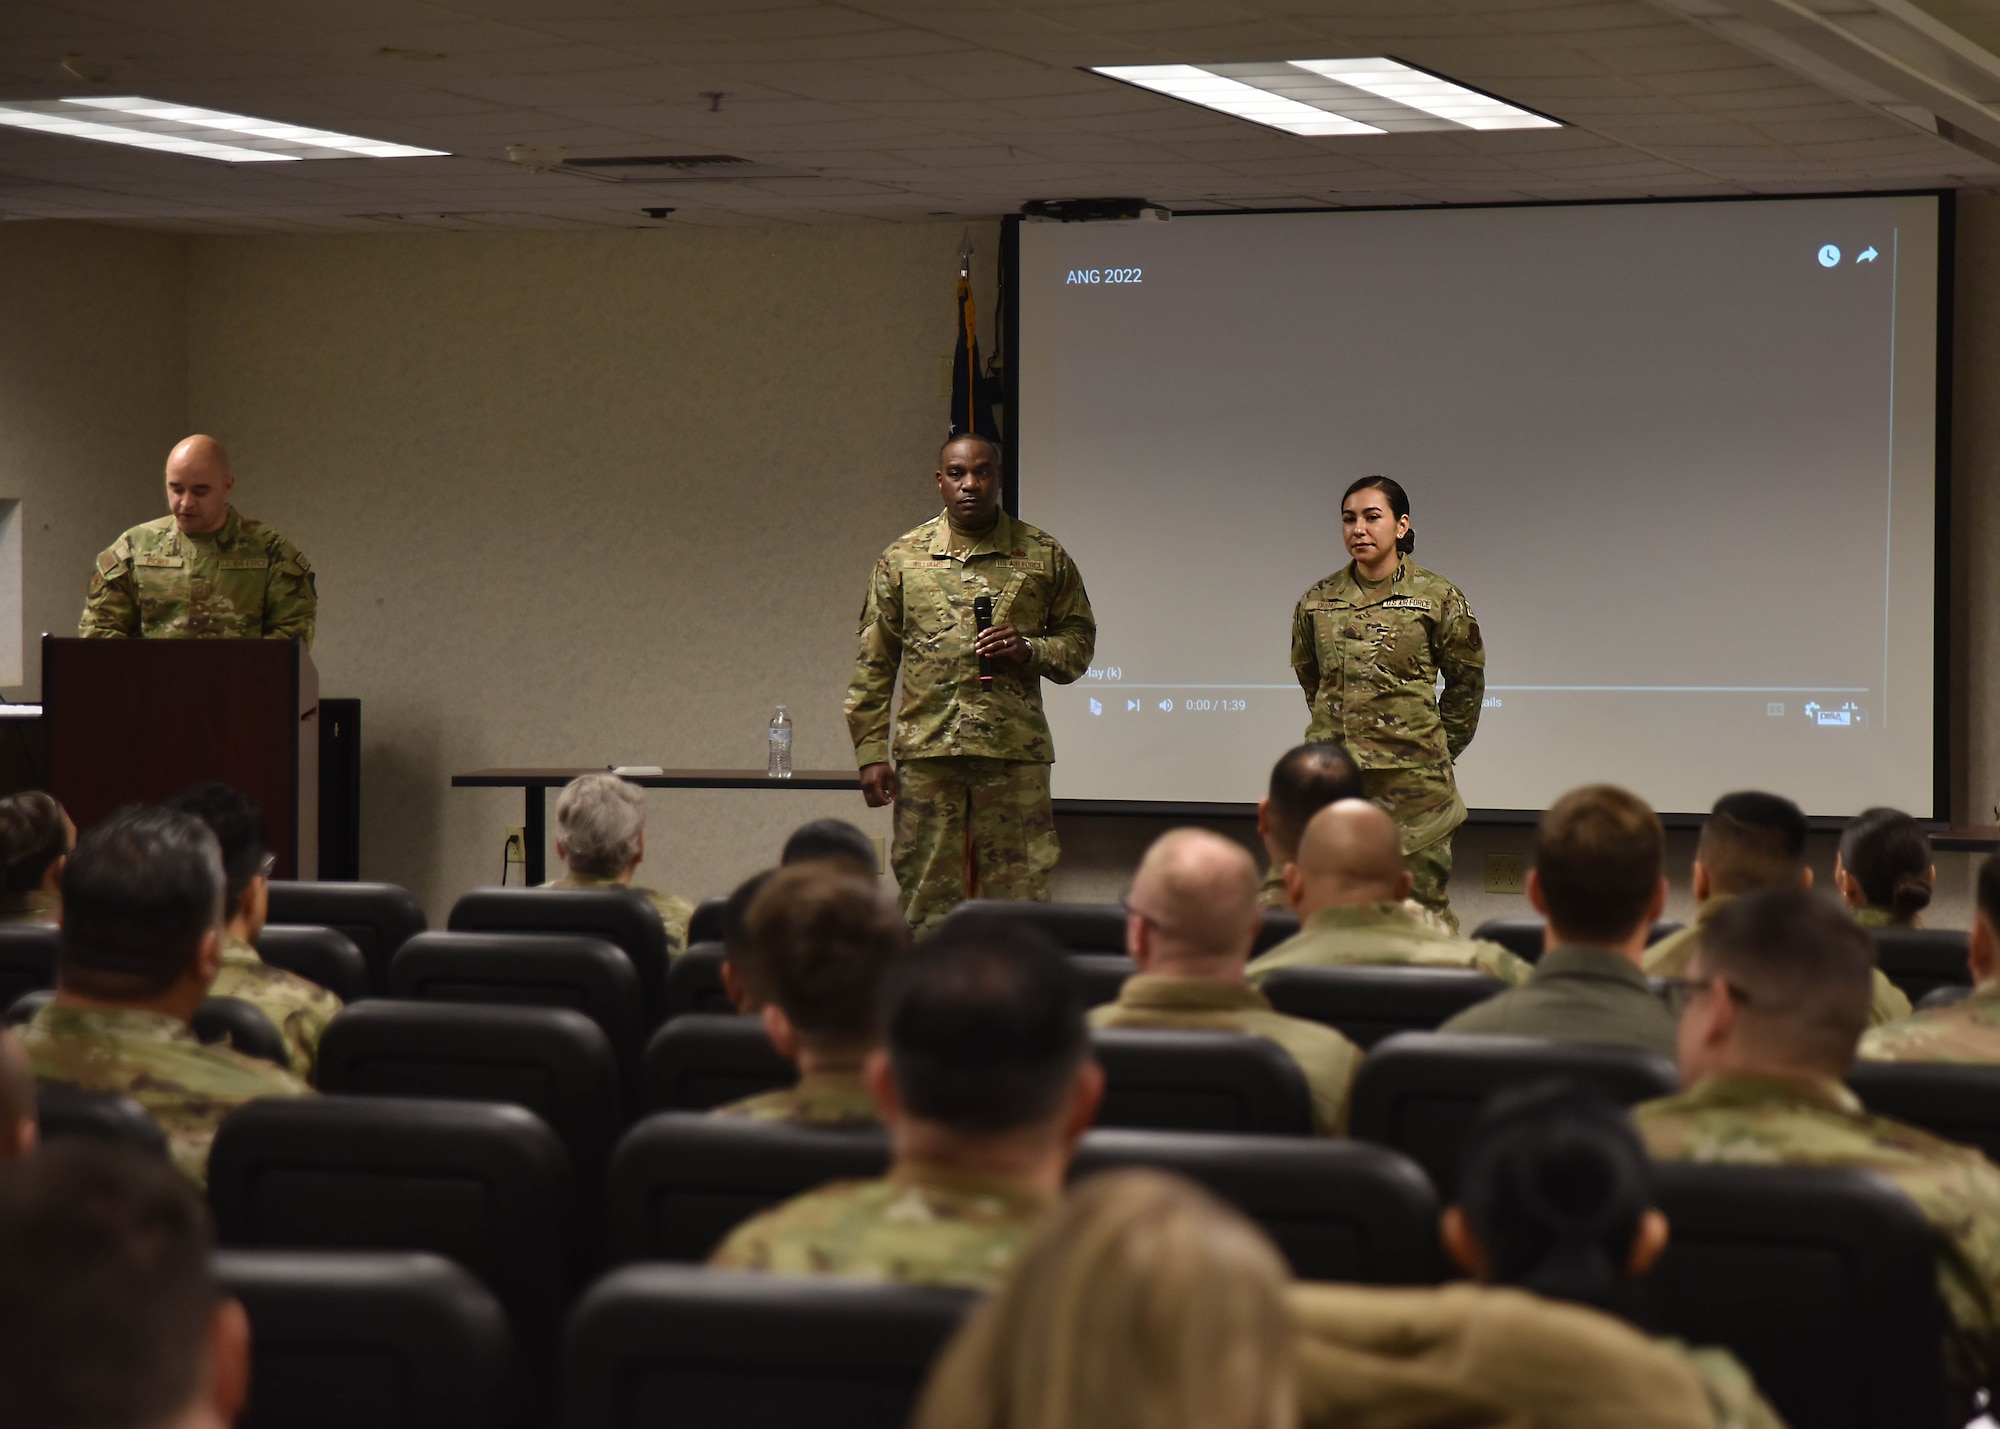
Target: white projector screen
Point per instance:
(1680, 457)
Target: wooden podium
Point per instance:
(135, 721)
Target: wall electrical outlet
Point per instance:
(517, 844)
(1506, 873)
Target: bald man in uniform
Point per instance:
(203, 571)
(1190, 922)
(1351, 887)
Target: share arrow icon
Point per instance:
(1866, 255)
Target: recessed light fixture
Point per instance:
(1370, 95)
(171, 128)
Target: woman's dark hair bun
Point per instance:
(1910, 897)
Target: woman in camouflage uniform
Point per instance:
(1369, 644)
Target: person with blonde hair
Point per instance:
(601, 839)
(1143, 1303)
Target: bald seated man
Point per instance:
(203, 571)
(19, 1129)
(1191, 920)
(1351, 888)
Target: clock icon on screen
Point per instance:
(1829, 256)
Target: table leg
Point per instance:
(536, 833)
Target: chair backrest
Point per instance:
(1920, 960)
(709, 1349)
(706, 1059)
(705, 924)
(1200, 1081)
(243, 1026)
(584, 974)
(1279, 924)
(21, 1011)
(1077, 927)
(1339, 1210)
(694, 982)
(617, 915)
(382, 1338)
(1942, 997)
(27, 959)
(377, 917)
(108, 1116)
(1418, 1091)
(555, 1062)
(483, 1184)
(1367, 1004)
(1522, 936)
(1822, 1281)
(682, 1180)
(323, 955)
(1955, 1100)
(1100, 975)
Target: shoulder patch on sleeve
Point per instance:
(109, 559)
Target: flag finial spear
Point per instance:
(965, 254)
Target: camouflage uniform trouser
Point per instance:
(1428, 811)
(971, 828)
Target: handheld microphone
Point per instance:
(982, 619)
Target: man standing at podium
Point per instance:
(972, 746)
(202, 572)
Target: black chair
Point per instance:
(243, 1026)
(555, 1062)
(346, 1338)
(1943, 997)
(1522, 936)
(705, 924)
(486, 1185)
(681, 1181)
(1200, 1081)
(617, 915)
(325, 956)
(1957, 1101)
(1100, 975)
(1339, 1210)
(709, 1349)
(694, 982)
(21, 1011)
(377, 917)
(1822, 1281)
(1367, 1004)
(707, 1059)
(1921, 960)
(1419, 1091)
(1279, 924)
(108, 1116)
(27, 959)
(1077, 927)
(584, 974)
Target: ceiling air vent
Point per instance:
(682, 168)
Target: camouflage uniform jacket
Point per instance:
(298, 1007)
(1327, 1059)
(1578, 994)
(1807, 1122)
(1369, 662)
(1386, 935)
(154, 1059)
(674, 912)
(1964, 1031)
(242, 582)
(1669, 958)
(1872, 917)
(922, 1225)
(33, 906)
(827, 1097)
(918, 617)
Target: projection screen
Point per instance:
(1682, 458)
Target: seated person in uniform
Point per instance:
(601, 838)
(35, 837)
(1555, 1196)
(1181, 1301)
(141, 943)
(744, 977)
(1773, 1002)
(1190, 921)
(19, 1128)
(1884, 869)
(826, 936)
(1967, 1030)
(1751, 841)
(298, 1007)
(1305, 780)
(110, 1314)
(1597, 881)
(1351, 889)
(986, 1085)
(824, 839)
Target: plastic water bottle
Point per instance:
(779, 765)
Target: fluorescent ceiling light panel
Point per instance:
(1420, 90)
(1231, 96)
(203, 133)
